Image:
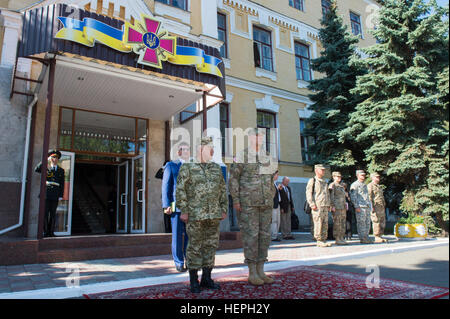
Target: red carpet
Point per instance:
(293, 283)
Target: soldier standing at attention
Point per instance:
(55, 190)
(202, 199)
(378, 214)
(252, 189)
(359, 195)
(339, 209)
(320, 203)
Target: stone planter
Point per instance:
(411, 231)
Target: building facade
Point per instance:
(117, 121)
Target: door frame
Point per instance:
(143, 194)
(69, 205)
(120, 196)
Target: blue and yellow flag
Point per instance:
(195, 56)
(89, 31)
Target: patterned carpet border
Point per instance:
(301, 282)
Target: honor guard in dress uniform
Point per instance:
(378, 214)
(359, 195)
(338, 208)
(55, 190)
(318, 197)
(252, 189)
(201, 196)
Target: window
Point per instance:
(297, 4)
(182, 4)
(222, 30)
(356, 24)
(266, 120)
(263, 48)
(188, 113)
(305, 141)
(302, 62)
(102, 135)
(224, 124)
(325, 7)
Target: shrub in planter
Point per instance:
(412, 227)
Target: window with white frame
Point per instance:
(267, 120)
(222, 31)
(355, 21)
(326, 4)
(262, 45)
(297, 4)
(305, 141)
(302, 62)
(182, 4)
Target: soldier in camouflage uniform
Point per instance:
(359, 195)
(202, 197)
(339, 209)
(378, 214)
(320, 203)
(251, 187)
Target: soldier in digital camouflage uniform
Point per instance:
(251, 187)
(359, 195)
(339, 209)
(202, 197)
(318, 197)
(378, 213)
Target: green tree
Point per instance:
(332, 99)
(402, 124)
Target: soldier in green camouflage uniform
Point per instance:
(252, 188)
(202, 197)
(359, 195)
(318, 197)
(378, 214)
(338, 208)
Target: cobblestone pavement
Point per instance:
(24, 278)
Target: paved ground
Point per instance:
(425, 266)
(51, 280)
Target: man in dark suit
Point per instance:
(168, 189)
(55, 190)
(286, 209)
(275, 227)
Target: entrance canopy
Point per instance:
(109, 65)
(104, 88)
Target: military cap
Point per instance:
(205, 141)
(374, 174)
(360, 171)
(319, 166)
(336, 174)
(54, 152)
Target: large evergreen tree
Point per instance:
(332, 99)
(403, 124)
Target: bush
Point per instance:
(411, 220)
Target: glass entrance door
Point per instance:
(63, 222)
(122, 198)
(138, 194)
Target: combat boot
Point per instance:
(323, 244)
(379, 239)
(366, 241)
(253, 277)
(341, 241)
(261, 274)
(193, 277)
(206, 281)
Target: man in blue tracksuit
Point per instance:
(169, 183)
